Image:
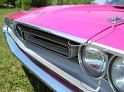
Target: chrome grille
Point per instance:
(57, 44)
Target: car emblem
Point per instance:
(115, 19)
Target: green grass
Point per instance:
(12, 76)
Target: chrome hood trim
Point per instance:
(109, 49)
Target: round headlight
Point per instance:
(116, 74)
(92, 61)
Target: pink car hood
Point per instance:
(82, 21)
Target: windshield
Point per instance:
(116, 2)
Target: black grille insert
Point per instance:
(49, 41)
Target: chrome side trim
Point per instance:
(52, 67)
(109, 49)
(76, 39)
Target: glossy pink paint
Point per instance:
(82, 21)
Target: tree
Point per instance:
(3, 1)
(26, 4)
(12, 2)
(39, 3)
(61, 2)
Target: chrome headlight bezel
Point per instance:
(109, 73)
(81, 57)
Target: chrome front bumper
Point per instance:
(49, 80)
(43, 75)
